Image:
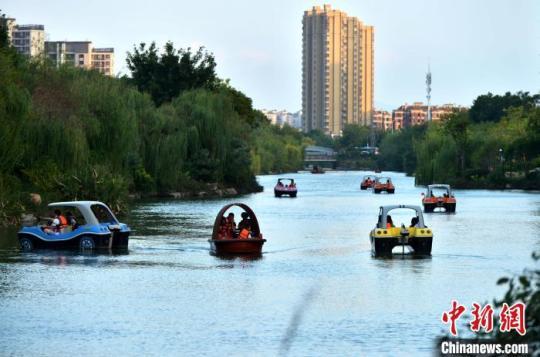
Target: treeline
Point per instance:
(495, 144)
(68, 133)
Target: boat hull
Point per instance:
(236, 246)
(448, 205)
(120, 241)
(383, 246)
(290, 193)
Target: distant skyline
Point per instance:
(472, 46)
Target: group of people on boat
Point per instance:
(390, 223)
(229, 230)
(60, 223)
(281, 185)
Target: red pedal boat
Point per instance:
(431, 201)
(367, 182)
(288, 188)
(383, 184)
(227, 239)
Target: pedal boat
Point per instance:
(237, 246)
(317, 170)
(367, 182)
(431, 202)
(383, 184)
(287, 189)
(383, 239)
(97, 228)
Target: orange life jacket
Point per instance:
(388, 225)
(244, 234)
(63, 220)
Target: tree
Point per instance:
(321, 139)
(165, 76)
(489, 107)
(456, 126)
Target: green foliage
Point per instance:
(165, 76)
(397, 149)
(277, 149)
(463, 153)
(73, 134)
(489, 107)
(321, 139)
(4, 41)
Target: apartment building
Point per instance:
(103, 60)
(28, 40)
(337, 70)
(282, 117)
(81, 54)
(383, 120)
(416, 113)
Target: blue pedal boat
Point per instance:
(96, 228)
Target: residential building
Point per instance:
(75, 53)
(103, 60)
(383, 120)
(416, 114)
(81, 54)
(282, 117)
(337, 70)
(397, 119)
(28, 40)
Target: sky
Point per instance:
(472, 46)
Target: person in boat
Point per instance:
(245, 222)
(71, 221)
(223, 232)
(388, 181)
(245, 232)
(389, 223)
(414, 222)
(58, 222)
(280, 184)
(231, 225)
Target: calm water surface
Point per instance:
(315, 291)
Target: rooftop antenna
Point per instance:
(428, 92)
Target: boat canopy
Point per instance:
(285, 179)
(251, 215)
(384, 210)
(94, 212)
(446, 187)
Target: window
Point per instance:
(103, 214)
(67, 210)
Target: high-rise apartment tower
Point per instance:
(337, 65)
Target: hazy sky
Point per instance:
(473, 46)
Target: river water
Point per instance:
(315, 291)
